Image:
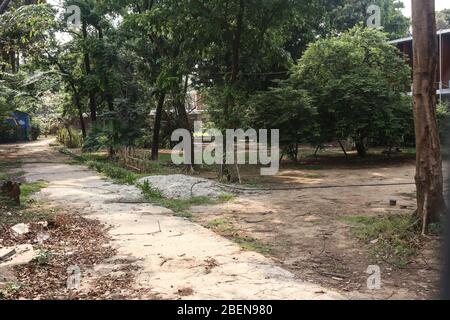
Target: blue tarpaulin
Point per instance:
(18, 127)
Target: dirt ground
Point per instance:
(175, 257)
(305, 232)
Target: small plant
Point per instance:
(393, 239)
(70, 137)
(43, 257)
(226, 197)
(35, 130)
(11, 288)
(252, 244)
(28, 189)
(113, 171)
(178, 206)
(221, 226)
(150, 191)
(436, 229)
(226, 229)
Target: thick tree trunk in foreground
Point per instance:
(429, 179)
(157, 126)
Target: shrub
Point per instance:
(70, 137)
(35, 131)
(443, 115)
(7, 131)
(99, 138)
(393, 239)
(113, 171)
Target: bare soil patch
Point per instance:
(311, 233)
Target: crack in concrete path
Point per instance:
(174, 253)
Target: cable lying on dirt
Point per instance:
(280, 188)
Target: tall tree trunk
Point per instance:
(227, 169)
(236, 47)
(429, 179)
(157, 126)
(360, 147)
(87, 66)
(80, 114)
(185, 124)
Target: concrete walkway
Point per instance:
(179, 258)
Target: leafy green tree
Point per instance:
(24, 27)
(285, 108)
(357, 83)
(443, 19)
(345, 14)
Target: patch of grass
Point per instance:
(252, 244)
(84, 157)
(11, 176)
(101, 164)
(178, 206)
(15, 164)
(43, 257)
(10, 216)
(252, 183)
(113, 171)
(29, 211)
(226, 229)
(392, 239)
(3, 176)
(436, 229)
(28, 189)
(11, 287)
(409, 151)
(226, 197)
(221, 226)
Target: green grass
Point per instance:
(113, 171)
(24, 215)
(100, 163)
(11, 214)
(179, 206)
(121, 175)
(221, 226)
(118, 174)
(226, 197)
(252, 183)
(28, 189)
(226, 229)
(252, 244)
(11, 176)
(43, 257)
(15, 164)
(392, 239)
